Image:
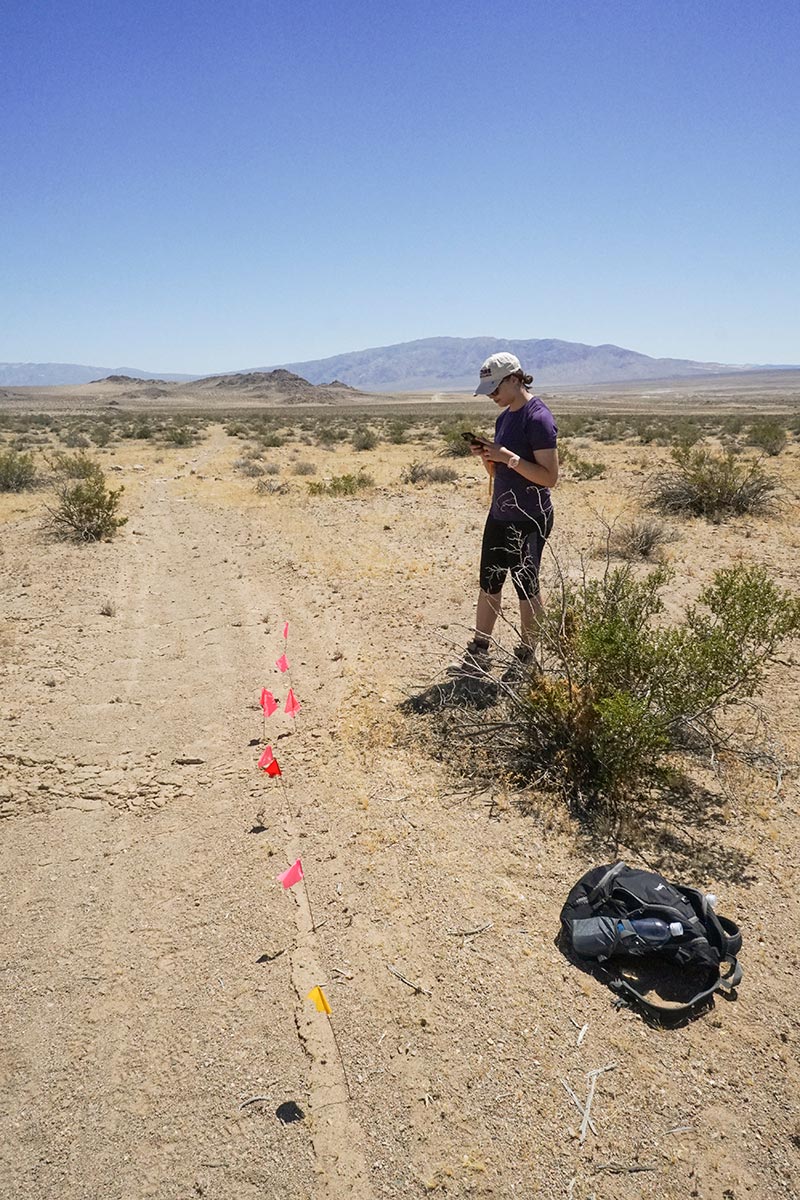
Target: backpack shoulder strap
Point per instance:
(721, 983)
(603, 886)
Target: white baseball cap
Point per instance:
(495, 370)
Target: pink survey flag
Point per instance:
(267, 758)
(292, 707)
(282, 663)
(285, 630)
(268, 702)
(291, 876)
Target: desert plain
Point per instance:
(154, 974)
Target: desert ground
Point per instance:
(154, 973)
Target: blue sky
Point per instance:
(198, 186)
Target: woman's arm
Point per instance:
(542, 471)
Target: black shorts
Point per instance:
(514, 546)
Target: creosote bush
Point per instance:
(364, 439)
(703, 483)
(85, 510)
(769, 434)
(620, 690)
(583, 468)
(17, 471)
(74, 466)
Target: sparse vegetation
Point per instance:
(703, 483)
(304, 468)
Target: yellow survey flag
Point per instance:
(320, 999)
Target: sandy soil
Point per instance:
(153, 973)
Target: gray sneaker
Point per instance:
(523, 663)
(477, 661)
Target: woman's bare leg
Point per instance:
(487, 614)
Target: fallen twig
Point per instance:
(188, 762)
(415, 987)
(577, 1103)
(255, 1099)
(465, 933)
(593, 1077)
(621, 1169)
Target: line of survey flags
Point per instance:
(269, 764)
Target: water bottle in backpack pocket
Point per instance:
(600, 937)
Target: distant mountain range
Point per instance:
(58, 374)
(444, 364)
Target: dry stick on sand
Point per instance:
(577, 1103)
(593, 1077)
(415, 987)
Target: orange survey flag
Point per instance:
(320, 1000)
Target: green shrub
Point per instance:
(364, 439)
(86, 510)
(341, 485)
(327, 435)
(101, 434)
(621, 690)
(179, 435)
(419, 472)
(705, 484)
(247, 466)
(17, 471)
(768, 434)
(75, 466)
(75, 440)
(396, 430)
(583, 469)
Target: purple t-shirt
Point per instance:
(530, 428)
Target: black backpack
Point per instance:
(627, 893)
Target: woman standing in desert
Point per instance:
(524, 460)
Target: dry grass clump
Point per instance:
(703, 483)
(641, 538)
(304, 468)
(419, 472)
